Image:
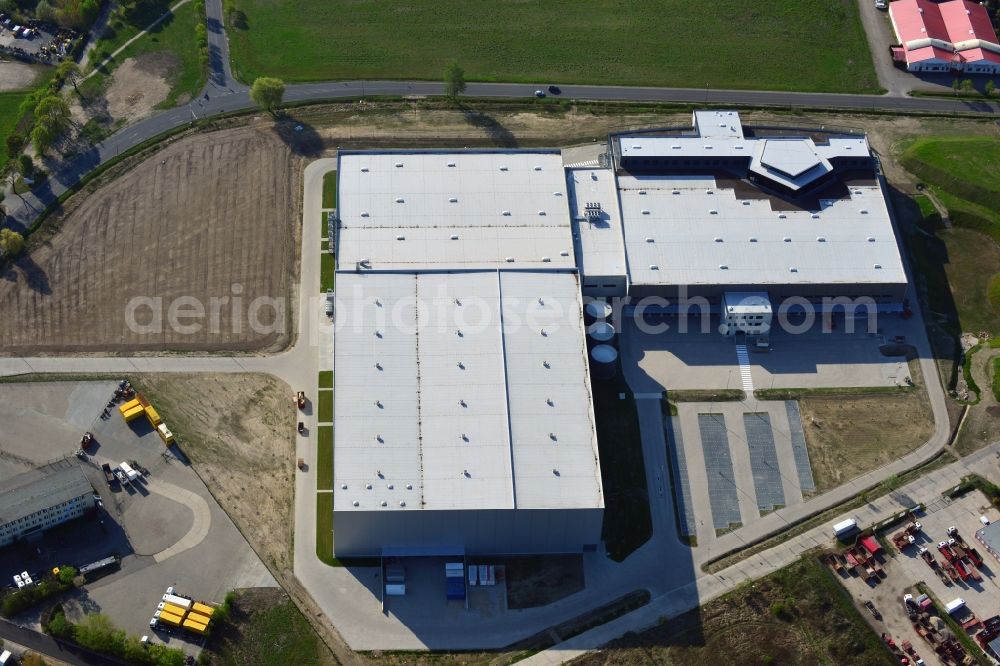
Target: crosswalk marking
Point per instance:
(588, 163)
(744, 360)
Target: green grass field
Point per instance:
(324, 528)
(175, 36)
(964, 174)
(9, 117)
(326, 379)
(722, 44)
(327, 274)
(324, 458)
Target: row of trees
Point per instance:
(96, 632)
(966, 86)
(76, 14)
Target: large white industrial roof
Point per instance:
(442, 402)
(695, 233)
(600, 242)
(431, 210)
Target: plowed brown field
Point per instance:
(213, 216)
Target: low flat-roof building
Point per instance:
(989, 536)
(944, 36)
(463, 415)
(725, 208)
(34, 501)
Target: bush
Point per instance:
(59, 626)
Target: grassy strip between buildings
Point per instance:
(627, 522)
(324, 528)
(558, 41)
(330, 189)
(327, 274)
(799, 393)
(768, 542)
(10, 116)
(325, 406)
(324, 458)
(326, 379)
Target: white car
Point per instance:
(881, 4)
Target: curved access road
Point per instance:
(224, 95)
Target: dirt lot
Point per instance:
(849, 435)
(212, 216)
(138, 85)
(982, 424)
(794, 616)
(17, 75)
(237, 430)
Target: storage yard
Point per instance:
(933, 551)
(160, 518)
(228, 231)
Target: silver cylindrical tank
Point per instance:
(603, 362)
(601, 332)
(596, 311)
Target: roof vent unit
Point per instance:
(676, 146)
(564, 253)
(863, 211)
(402, 503)
(557, 194)
(815, 216)
(793, 269)
(364, 213)
(503, 168)
(364, 169)
(857, 192)
(636, 146)
(718, 239)
(399, 165)
(343, 486)
(781, 216)
(368, 486)
(878, 266)
(820, 239)
(509, 260)
(787, 239)
(453, 200)
(709, 191)
(753, 239)
(454, 236)
(451, 164)
(645, 211)
(409, 486)
(546, 260)
(649, 239)
(708, 146)
(505, 213)
(400, 237)
(384, 503)
(676, 192)
(654, 267)
(355, 503)
(871, 239)
(643, 192)
(399, 199)
(538, 168)
(541, 212)
(738, 146)
(592, 210)
(713, 212)
(723, 267)
(745, 202)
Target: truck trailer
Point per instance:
(133, 414)
(165, 434)
(133, 476)
(177, 601)
(197, 627)
(202, 609)
(170, 618)
(845, 528)
(171, 608)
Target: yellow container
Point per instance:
(154, 418)
(202, 609)
(173, 610)
(134, 413)
(170, 618)
(165, 434)
(131, 404)
(196, 627)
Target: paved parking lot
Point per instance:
(693, 360)
(168, 528)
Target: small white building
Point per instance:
(746, 312)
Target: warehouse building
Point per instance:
(725, 210)
(463, 417)
(34, 501)
(956, 35)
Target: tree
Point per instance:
(68, 70)
(59, 626)
(25, 166)
(14, 144)
(454, 80)
(42, 136)
(11, 243)
(956, 85)
(967, 86)
(51, 120)
(267, 92)
(95, 631)
(991, 88)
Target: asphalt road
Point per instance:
(224, 94)
(50, 647)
